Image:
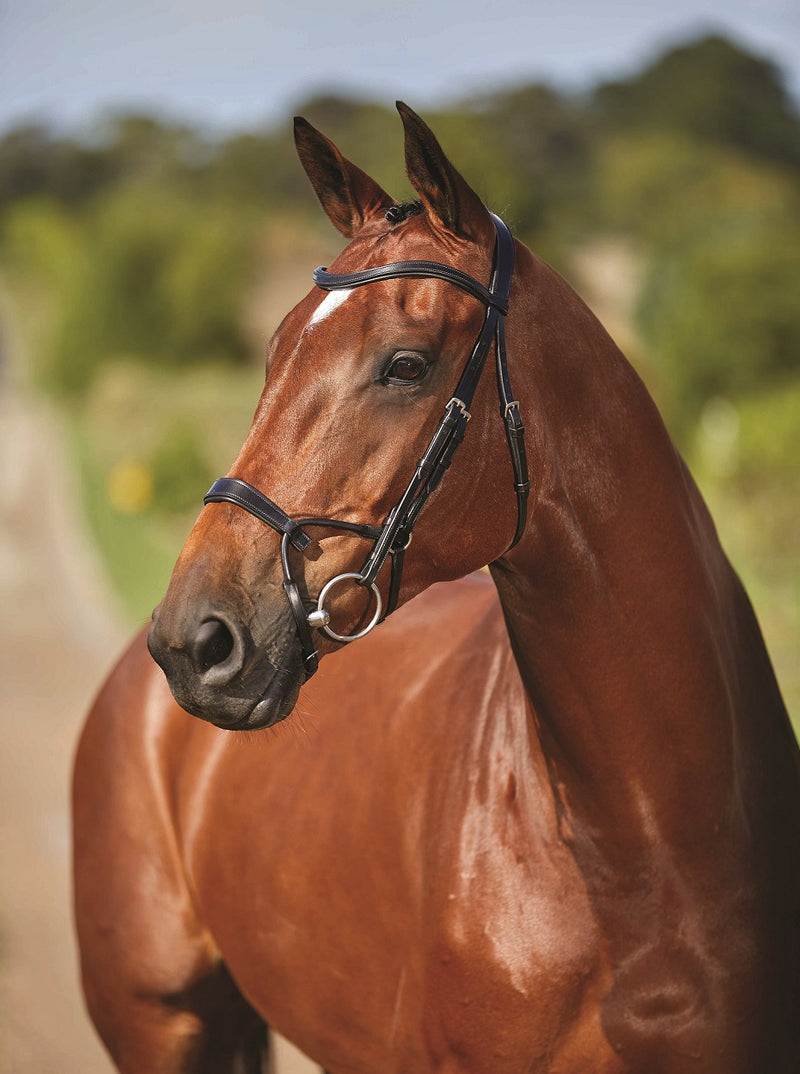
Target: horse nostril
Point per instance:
(213, 644)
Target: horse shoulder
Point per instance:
(143, 948)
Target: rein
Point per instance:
(393, 537)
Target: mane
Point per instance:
(396, 214)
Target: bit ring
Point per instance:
(320, 617)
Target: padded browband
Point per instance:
(415, 270)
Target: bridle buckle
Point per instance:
(460, 405)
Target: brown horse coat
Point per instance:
(555, 831)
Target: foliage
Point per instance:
(745, 456)
(540, 146)
(712, 90)
(180, 467)
(33, 161)
(149, 442)
(720, 312)
(143, 276)
(664, 187)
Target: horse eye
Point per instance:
(406, 368)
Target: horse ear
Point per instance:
(449, 199)
(347, 194)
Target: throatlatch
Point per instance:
(393, 537)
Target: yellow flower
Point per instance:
(130, 486)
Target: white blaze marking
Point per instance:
(330, 302)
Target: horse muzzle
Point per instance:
(217, 672)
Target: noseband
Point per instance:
(393, 537)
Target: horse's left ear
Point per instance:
(450, 200)
(348, 195)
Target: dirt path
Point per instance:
(59, 633)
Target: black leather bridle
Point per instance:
(392, 538)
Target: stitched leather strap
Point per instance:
(233, 490)
(515, 436)
(299, 613)
(416, 270)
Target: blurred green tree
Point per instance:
(36, 163)
(720, 314)
(157, 283)
(663, 186)
(537, 146)
(712, 89)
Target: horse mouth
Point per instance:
(274, 706)
(252, 690)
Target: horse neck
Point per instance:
(629, 627)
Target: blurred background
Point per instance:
(155, 226)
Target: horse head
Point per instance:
(359, 392)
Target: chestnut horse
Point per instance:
(546, 824)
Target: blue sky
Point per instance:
(243, 62)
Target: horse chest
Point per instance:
(443, 926)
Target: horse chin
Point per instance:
(275, 705)
(269, 711)
(263, 694)
(245, 714)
